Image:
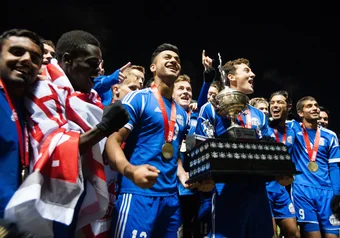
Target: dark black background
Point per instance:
(291, 45)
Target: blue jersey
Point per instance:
(208, 117)
(193, 122)
(274, 186)
(144, 144)
(103, 83)
(328, 152)
(9, 153)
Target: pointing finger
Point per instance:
(125, 67)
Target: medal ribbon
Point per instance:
(248, 119)
(311, 154)
(168, 129)
(277, 135)
(23, 139)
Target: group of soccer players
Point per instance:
(148, 203)
(154, 199)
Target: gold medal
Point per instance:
(313, 166)
(167, 151)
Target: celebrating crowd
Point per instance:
(85, 154)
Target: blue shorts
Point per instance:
(242, 210)
(314, 210)
(281, 204)
(143, 216)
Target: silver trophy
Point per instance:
(230, 103)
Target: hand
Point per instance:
(101, 68)
(144, 176)
(183, 177)
(335, 206)
(121, 76)
(193, 106)
(206, 61)
(285, 180)
(114, 117)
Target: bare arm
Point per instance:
(114, 152)
(181, 174)
(89, 139)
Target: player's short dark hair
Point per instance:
(74, 41)
(282, 93)
(22, 33)
(324, 109)
(300, 103)
(164, 47)
(48, 42)
(217, 84)
(230, 66)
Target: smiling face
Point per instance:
(310, 111)
(323, 119)
(83, 67)
(242, 80)
(278, 107)
(20, 61)
(166, 66)
(182, 94)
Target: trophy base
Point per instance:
(236, 132)
(240, 176)
(232, 161)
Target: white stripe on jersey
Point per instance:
(334, 160)
(203, 109)
(128, 98)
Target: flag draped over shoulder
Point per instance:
(57, 117)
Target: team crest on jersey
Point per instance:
(291, 208)
(290, 141)
(322, 142)
(255, 121)
(334, 221)
(180, 120)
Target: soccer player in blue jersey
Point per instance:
(242, 209)
(148, 203)
(189, 200)
(21, 54)
(283, 211)
(316, 154)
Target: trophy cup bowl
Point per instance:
(229, 103)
